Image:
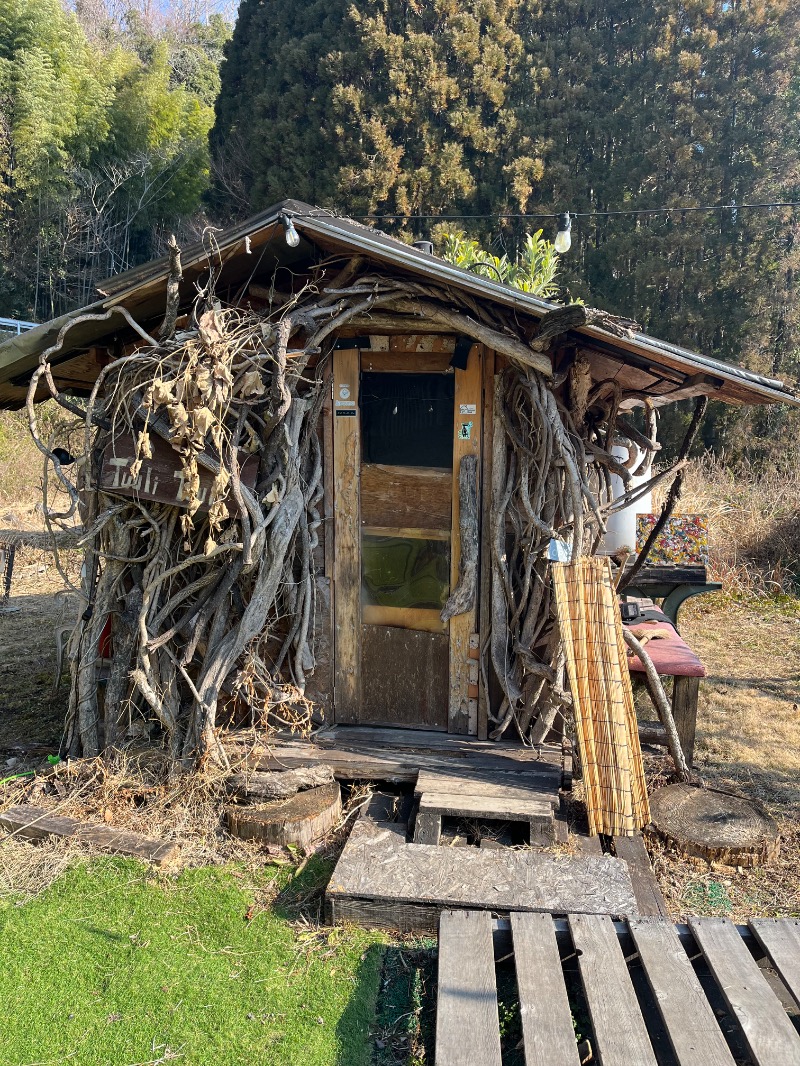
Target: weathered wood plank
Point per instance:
(780, 938)
(690, 1023)
(36, 823)
(422, 360)
(463, 713)
(619, 1029)
(770, 1036)
(491, 784)
(375, 864)
(406, 532)
(462, 748)
(347, 528)
(648, 894)
(399, 755)
(419, 618)
(494, 808)
(404, 676)
(547, 1030)
(406, 496)
(161, 478)
(467, 1021)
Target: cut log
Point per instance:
(714, 825)
(35, 823)
(279, 785)
(300, 820)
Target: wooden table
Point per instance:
(673, 584)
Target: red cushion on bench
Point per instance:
(671, 655)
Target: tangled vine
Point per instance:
(210, 601)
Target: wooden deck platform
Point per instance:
(395, 755)
(654, 994)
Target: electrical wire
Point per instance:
(589, 214)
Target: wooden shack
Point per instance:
(404, 443)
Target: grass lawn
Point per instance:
(116, 966)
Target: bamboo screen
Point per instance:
(605, 718)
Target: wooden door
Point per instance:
(401, 427)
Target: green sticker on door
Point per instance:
(465, 431)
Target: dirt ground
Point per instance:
(748, 727)
(32, 706)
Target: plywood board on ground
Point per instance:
(377, 864)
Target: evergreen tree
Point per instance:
(392, 106)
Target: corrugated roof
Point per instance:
(258, 242)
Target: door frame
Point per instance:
(468, 427)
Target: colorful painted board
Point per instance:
(684, 539)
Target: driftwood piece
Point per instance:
(661, 702)
(462, 598)
(35, 823)
(461, 323)
(556, 322)
(280, 785)
(167, 328)
(714, 825)
(301, 819)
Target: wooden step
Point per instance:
(433, 806)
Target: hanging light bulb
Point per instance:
(291, 234)
(563, 241)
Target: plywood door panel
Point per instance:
(406, 496)
(347, 527)
(404, 677)
(463, 700)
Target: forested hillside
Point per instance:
(485, 107)
(630, 115)
(104, 119)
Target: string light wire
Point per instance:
(587, 214)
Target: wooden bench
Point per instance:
(645, 1001)
(672, 657)
(673, 584)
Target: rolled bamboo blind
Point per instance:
(605, 717)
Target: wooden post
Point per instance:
(685, 693)
(347, 531)
(463, 712)
(485, 582)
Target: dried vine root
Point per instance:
(209, 601)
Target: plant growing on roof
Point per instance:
(534, 270)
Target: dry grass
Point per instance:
(754, 522)
(144, 793)
(748, 741)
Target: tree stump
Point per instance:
(714, 825)
(301, 819)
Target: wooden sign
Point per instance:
(161, 478)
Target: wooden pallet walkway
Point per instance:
(678, 1022)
